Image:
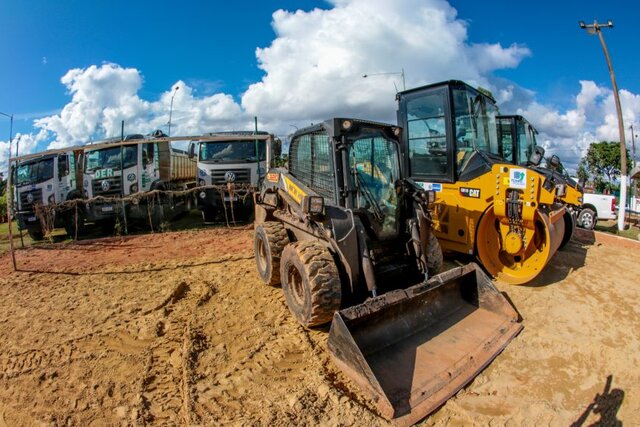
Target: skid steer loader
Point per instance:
(517, 145)
(504, 214)
(348, 237)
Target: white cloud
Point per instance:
(313, 71)
(314, 68)
(593, 118)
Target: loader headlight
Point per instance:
(203, 195)
(51, 199)
(313, 204)
(346, 124)
(133, 188)
(396, 131)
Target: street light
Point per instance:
(171, 107)
(592, 29)
(400, 73)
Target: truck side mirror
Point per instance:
(536, 157)
(192, 150)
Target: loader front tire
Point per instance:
(311, 283)
(270, 238)
(434, 255)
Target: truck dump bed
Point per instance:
(175, 165)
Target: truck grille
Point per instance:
(24, 199)
(114, 186)
(243, 176)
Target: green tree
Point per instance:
(3, 205)
(603, 162)
(582, 173)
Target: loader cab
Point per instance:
(352, 164)
(516, 139)
(446, 125)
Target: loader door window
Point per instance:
(427, 133)
(374, 166)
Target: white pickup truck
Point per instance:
(595, 207)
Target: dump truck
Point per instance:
(348, 237)
(237, 158)
(517, 144)
(46, 178)
(504, 214)
(134, 165)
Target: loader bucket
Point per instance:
(412, 349)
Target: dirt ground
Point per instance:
(175, 329)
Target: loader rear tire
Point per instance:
(311, 283)
(434, 255)
(270, 238)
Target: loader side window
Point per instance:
(310, 161)
(427, 133)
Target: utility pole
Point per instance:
(596, 28)
(171, 108)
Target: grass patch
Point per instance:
(611, 227)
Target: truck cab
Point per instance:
(44, 179)
(236, 161)
(117, 169)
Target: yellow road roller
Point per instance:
(517, 144)
(506, 215)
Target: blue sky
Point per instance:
(534, 53)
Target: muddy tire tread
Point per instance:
(323, 279)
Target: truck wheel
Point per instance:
(36, 235)
(587, 219)
(208, 215)
(270, 238)
(434, 255)
(70, 223)
(310, 282)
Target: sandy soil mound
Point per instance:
(176, 329)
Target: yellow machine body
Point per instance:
(471, 217)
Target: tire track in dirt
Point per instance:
(166, 387)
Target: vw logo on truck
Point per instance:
(230, 176)
(105, 185)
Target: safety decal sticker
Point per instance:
(273, 177)
(518, 178)
(431, 186)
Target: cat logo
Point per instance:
(470, 192)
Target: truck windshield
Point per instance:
(231, 151)
(34, 172)
(109, 158)
(375, 170)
